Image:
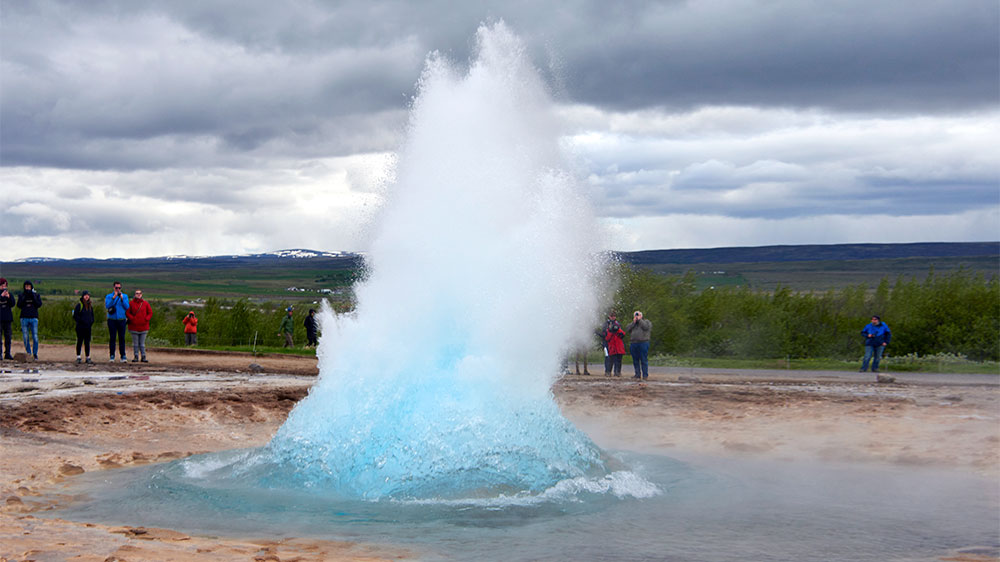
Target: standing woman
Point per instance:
(83, 315)
(139, 314)
(7, 304)
(29, 301)
(614, 339)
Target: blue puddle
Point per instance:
(660, 508)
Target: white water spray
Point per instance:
(481, 277)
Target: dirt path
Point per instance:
(58, 356)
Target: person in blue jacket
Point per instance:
(877, 336)
(116, 303)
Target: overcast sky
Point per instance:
(132, 128)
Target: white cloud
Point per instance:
(713, 231)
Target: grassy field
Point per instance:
(824, 275)
(256, 283)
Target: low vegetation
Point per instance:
(940, 322)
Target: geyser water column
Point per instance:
(481, 275)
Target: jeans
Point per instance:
(871, 350)
(8, 331)
(83, 340)
(116, 330)
(616, 364)
(29, 327)
(190, 339)
(640, 358)
(139, 344)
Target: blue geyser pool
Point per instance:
(702, 509)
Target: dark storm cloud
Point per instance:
(82, 80)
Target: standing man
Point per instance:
(139, 314)
(190, 329)
(877, 336)
(6, 318)
(287, 328)
(29, 301)
(312, 327)
(117, 304)
(639, 331)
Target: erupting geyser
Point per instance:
(482, 274)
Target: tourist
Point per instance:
(287, 328)
(639, 331)
(190, 329)
(117, 305)
(139, 314)
(614, 340)
(311, 327)
(877, 336)
(83, 315)
(29, 301)
(7, 303)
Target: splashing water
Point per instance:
(482, 274)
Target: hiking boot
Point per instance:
(77, 360)
(143, 360)
(135, 359)
(89, 362)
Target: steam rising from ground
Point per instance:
(482, 275)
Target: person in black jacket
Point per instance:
(29, 301)
(6, 318)
(83, 315)
(311, 328)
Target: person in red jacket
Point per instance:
(190, 329)
(139, 314)
(615, 338)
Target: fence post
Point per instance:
(254, 351)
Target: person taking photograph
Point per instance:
(639, 331)
(190, 329)
(116, 303)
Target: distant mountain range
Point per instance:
(755, 254)
(814, 252)
(296, 253)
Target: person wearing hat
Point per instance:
(83, 315)
(877, 336)
(29, 301)
(190, 329)
(6, 318)
(287, 327)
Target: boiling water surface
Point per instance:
(661, 509)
